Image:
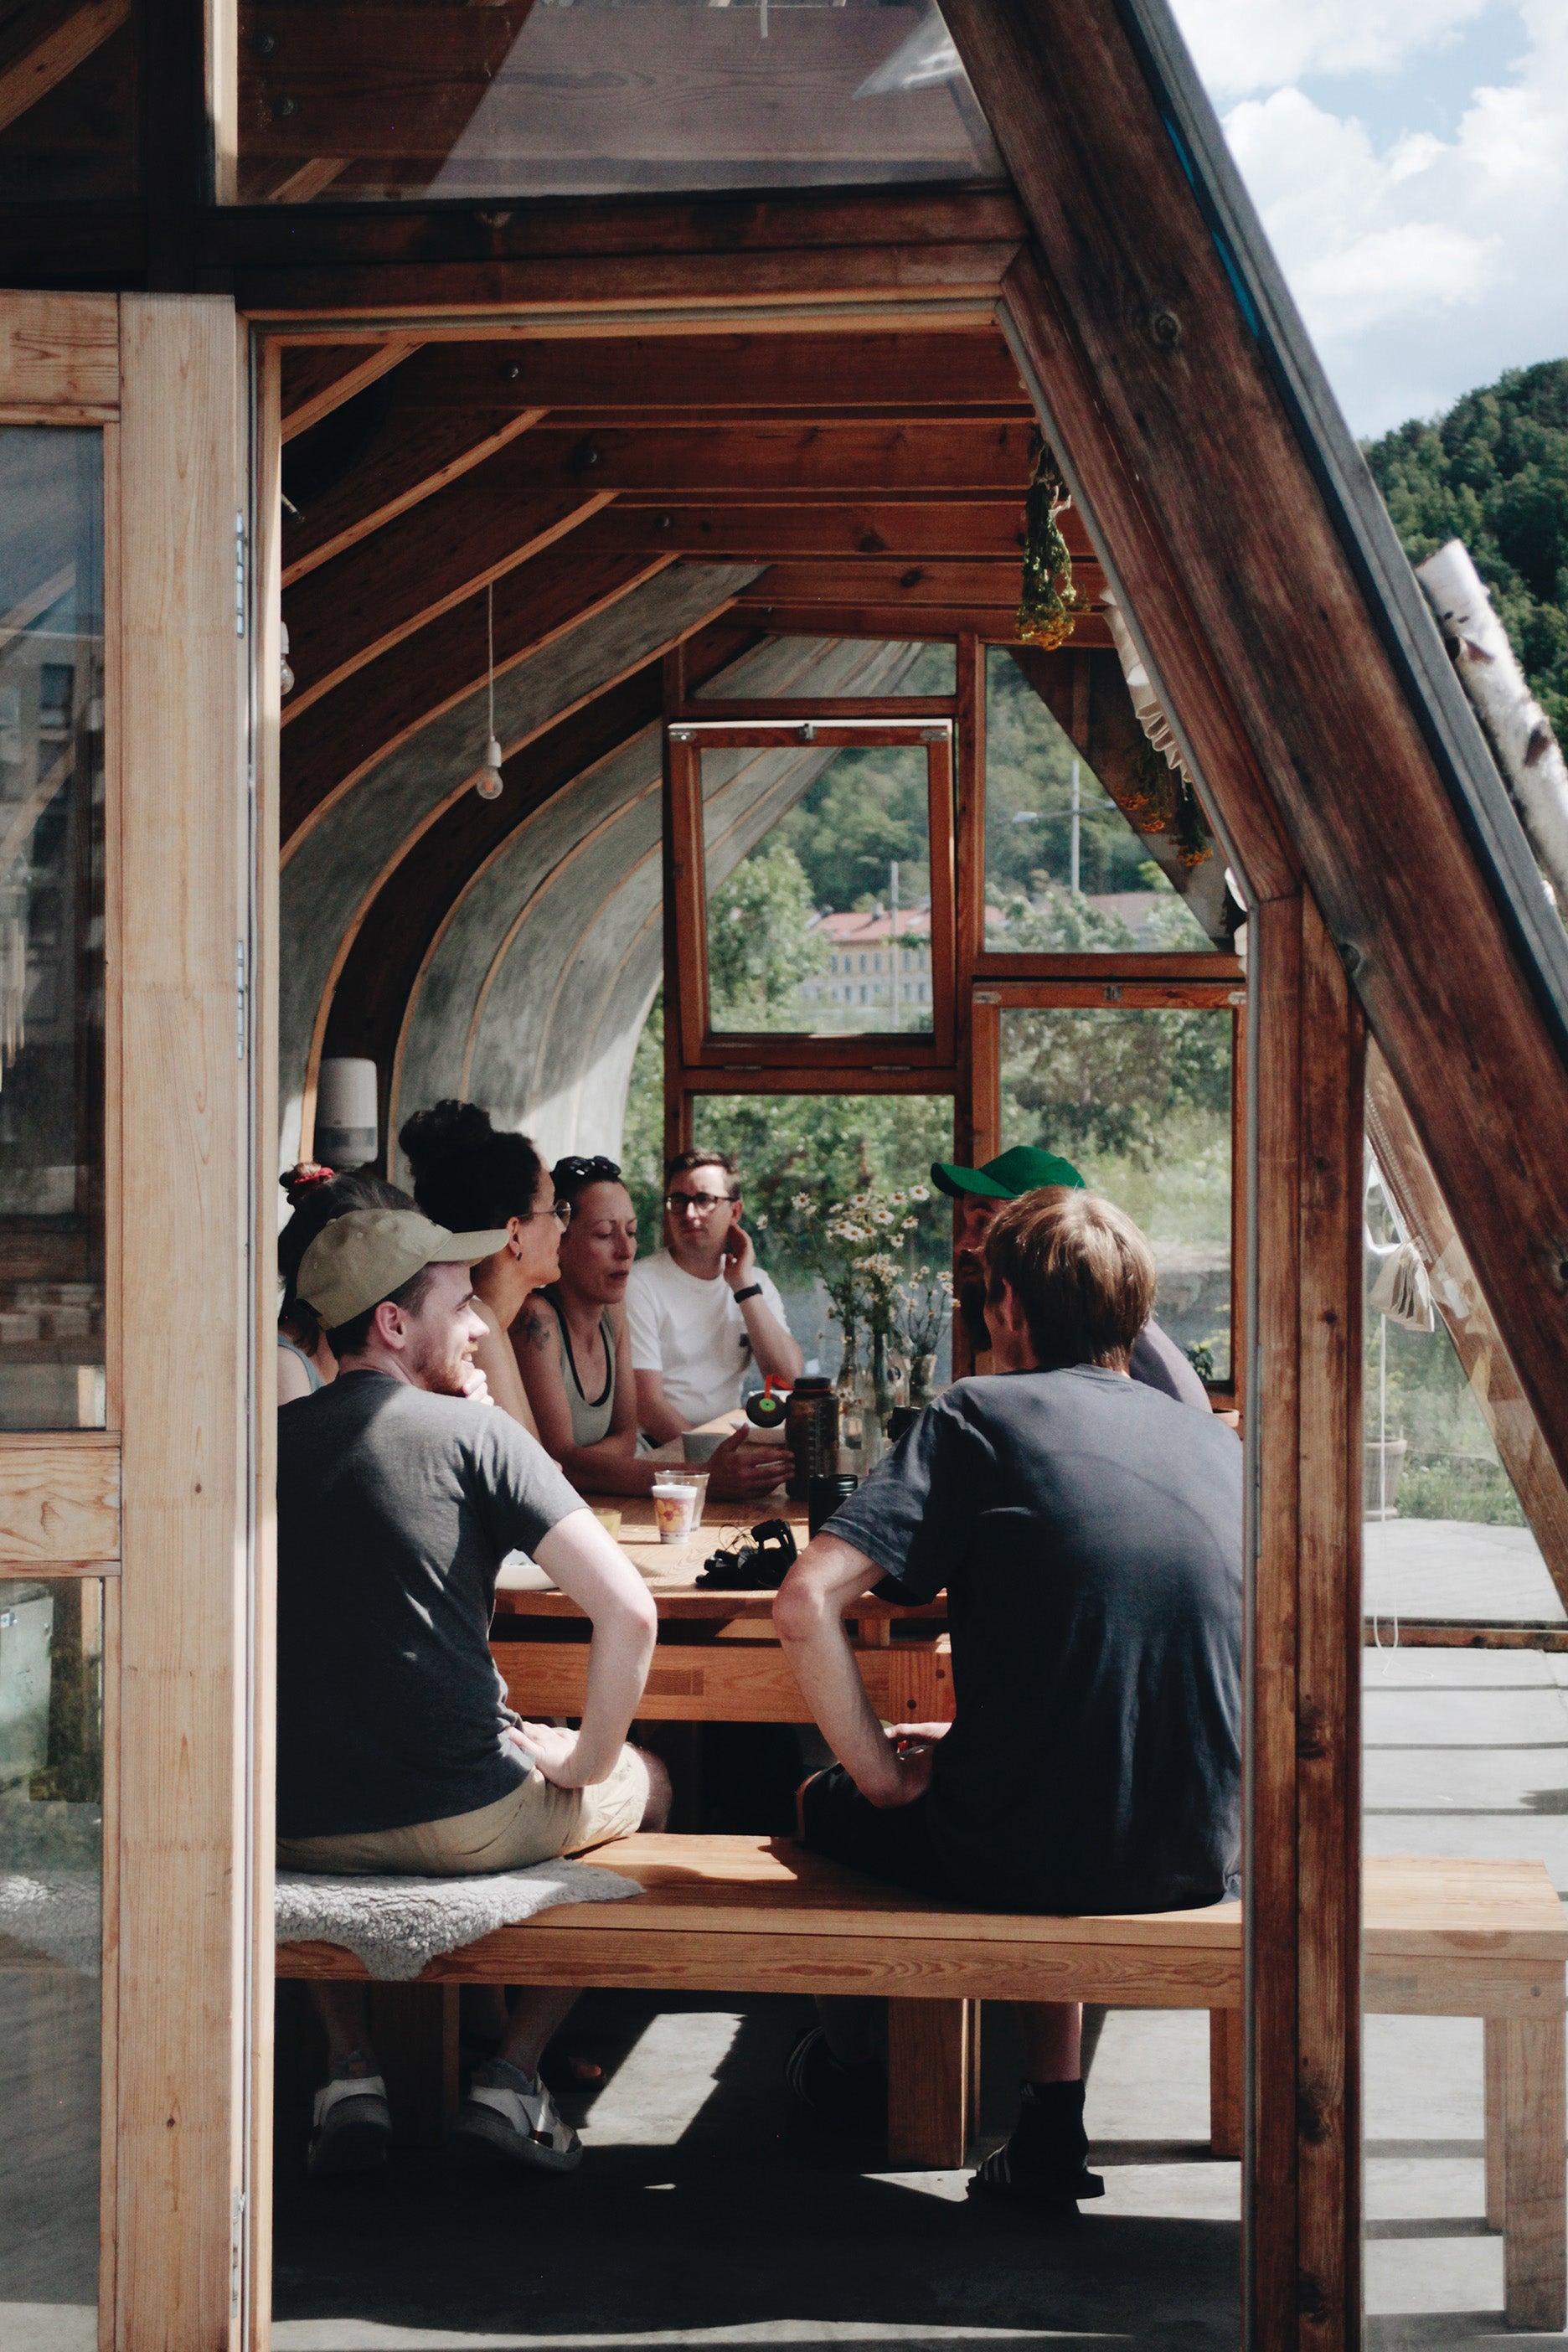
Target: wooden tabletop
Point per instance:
(670, 1570)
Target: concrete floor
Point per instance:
(706, 2213)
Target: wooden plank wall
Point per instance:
(184, 891)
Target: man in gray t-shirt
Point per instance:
(400, 1491)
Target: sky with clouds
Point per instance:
(1409, 159)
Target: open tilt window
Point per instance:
(812, 873)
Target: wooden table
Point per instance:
(718, 1659)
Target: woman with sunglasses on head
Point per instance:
(473, 1177)
(574, 1350)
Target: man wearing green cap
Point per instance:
(400, 1492)
(980, 1192)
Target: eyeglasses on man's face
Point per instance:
(559, 1210)
(574, 1170)
(696, 1205)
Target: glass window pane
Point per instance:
(1465, 1752)
(818, 867)
(51, 928)
(1140, 1101)
(1066, 870)
(70, 116)
(600, 98)
(797, 1156)
(51, 1878)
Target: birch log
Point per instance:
(1519, 731)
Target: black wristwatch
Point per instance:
(752, 1291)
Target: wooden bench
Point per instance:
(1442, 1938)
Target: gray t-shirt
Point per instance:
(395, 1509)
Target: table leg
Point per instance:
(414, 2028)
(1494, 2063)
(929, 2075)
(1227, 2082)
(1535, 2169)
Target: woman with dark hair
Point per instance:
(317, 1195)
(473, 1177)
(575, 1354)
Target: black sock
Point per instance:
(1049, 2132)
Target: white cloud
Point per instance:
(1248, 44)
(1426, 268)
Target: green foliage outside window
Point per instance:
(1494, 473)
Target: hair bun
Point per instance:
(447, 1130)
(304, 1178)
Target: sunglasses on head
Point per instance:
(574, 1170)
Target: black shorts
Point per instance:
(885, 1841)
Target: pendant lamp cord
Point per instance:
(490, 648)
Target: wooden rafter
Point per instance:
(344, 732)
(854, 460)
(416, 456)
(914, 530)
(953, 581)
(415, 568)
(321, 377)
(44, 41)
(713, 373)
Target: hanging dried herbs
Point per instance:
(1049, 599)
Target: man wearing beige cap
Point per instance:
(400, 1491)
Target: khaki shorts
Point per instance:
(536, 1822)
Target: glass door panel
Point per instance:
(51, 928)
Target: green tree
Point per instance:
(1494, 473)
(760, 945)
(1111, 1081)
(866, 809)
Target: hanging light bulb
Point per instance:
(285, 675)
(487, 781)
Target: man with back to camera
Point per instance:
(701, 1312)
(1087, 1531)
(981, 1191)
(400, 1491)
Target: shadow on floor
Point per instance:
(744, 2225)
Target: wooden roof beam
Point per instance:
(415, 568)
(850, 460)
(428, 451)
(348, 729)
(44, 41)
(319, 377)
(912, 529)
(930, 580)
(714, 373)
(997, 626)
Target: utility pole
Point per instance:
(1077, 803)
(893, 959)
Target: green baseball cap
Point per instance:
(1022, 1169)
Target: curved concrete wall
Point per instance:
(537, 989)
(331, 869)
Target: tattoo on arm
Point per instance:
(536, 1328)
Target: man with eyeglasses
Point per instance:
(701, 1312)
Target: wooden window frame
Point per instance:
(874, 1053)
(991, 996)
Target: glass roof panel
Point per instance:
(586, 98)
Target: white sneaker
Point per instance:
(351, 2126)
(514, 2115)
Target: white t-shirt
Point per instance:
(693, 1333)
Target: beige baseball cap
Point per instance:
(362, 1258)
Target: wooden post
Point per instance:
(929, 2073)
(1227, 2083)
(1303, 1909)
(182, 892)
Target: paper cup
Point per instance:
(674, 1511)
